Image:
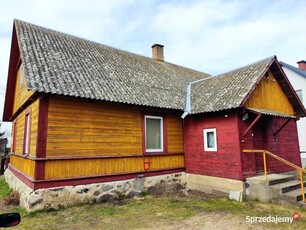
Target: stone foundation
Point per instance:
(92, 193)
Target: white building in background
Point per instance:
(297, 77)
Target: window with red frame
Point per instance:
(14, 136)
(27, 134)
(154, 136)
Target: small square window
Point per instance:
(210, 139)
(154, 133)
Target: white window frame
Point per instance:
(27, 134)
(161, 135)
(206, 147)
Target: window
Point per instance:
(27, 133)
(210, 140)
(299, 92)
(154, 134)
(14, 136)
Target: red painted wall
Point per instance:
(247, 142)
(229, 161)
(284, 144)
(226, 161)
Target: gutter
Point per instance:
(188, 96)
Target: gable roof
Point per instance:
(294, 69)
(232, 89)
(62, 64)
(57, 63)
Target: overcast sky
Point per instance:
(211, 36)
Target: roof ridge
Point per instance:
(64, 64)
(105, 46)
(216, 94)
(247, 65)
(233, 70)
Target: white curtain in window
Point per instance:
(210, 140)
(153, 133)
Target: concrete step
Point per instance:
(301, 204)
(288, 186)
(293, 196)
(273, 178)
(284, 188)
(279, 178)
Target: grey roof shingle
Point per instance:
(227, 90)
(62, 64)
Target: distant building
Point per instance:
(297, 77)
(3, 143)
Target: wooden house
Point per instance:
(85, 113)
(253, 107)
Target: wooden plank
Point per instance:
(24, 165)
(101, 128)
(269, 95)
(94, 167)
(20, 129)
(251, 125)
(174, 134)
(92, 129)
(22, 94)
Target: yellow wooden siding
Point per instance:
(175, 134)
(82, 128)
(22, 94)
(20, 124)
(24, 165)
(269, 95)
(56, 169)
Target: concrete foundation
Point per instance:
(209, 184)
(92, 193)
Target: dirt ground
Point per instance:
(209, 221)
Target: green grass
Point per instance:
(4, 188)
(155, 212)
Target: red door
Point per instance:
(259, 144)
(259, 135)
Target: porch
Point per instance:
(285, 187)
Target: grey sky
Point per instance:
(211, 36)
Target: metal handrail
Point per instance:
(264, 152)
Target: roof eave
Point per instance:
(302, 112)
(295, 102)
(11, 81)
(257, 82)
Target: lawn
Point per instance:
(161, 212)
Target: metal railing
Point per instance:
(265, 152)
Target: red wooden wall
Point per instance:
(229, 161)
(284, 144)
(225, 162)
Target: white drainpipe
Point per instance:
(188, 96)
